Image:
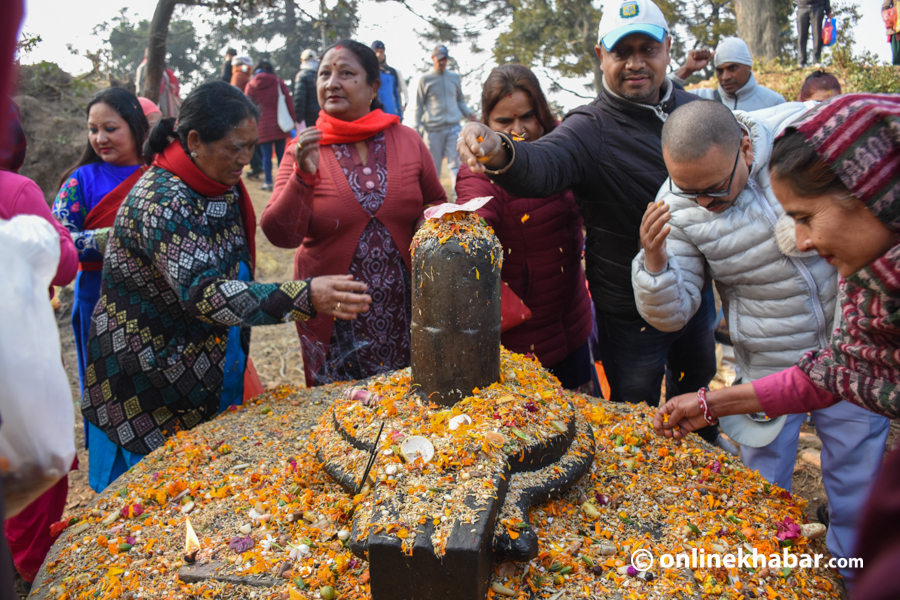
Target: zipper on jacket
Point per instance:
(801, 267)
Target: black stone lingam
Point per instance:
(455, 331)
(456, 348)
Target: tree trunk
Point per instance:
(292, 41)
(156, 48)
(758, 24)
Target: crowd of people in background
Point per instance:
(616, 222)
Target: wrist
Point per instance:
(705, 408)
(655, 265)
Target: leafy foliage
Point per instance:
(193, 60)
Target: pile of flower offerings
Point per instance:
(269, 522)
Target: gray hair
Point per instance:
(693, 128)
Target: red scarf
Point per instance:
(335, 131)
(175, 160)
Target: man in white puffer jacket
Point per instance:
(715, 218)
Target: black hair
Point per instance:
(126, 106)
(795, 161)
(819, 80)
(212, 110)
(231, 52)
(367, 60)
(265, 66)
(693, 128)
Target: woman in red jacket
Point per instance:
(263, 90)
(351, 193)
(541, 238)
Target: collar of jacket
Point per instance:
(749, 88)
(661, 110)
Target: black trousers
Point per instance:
(807, 16)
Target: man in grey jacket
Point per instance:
(737, 89)
(440, 106)
(717, 218)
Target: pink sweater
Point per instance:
(791, 392)
(22, 196)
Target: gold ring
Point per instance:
(299, 146)
(338, 307)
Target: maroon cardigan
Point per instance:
(541, 264)
(327, 221)
(263, 90)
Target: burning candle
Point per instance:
(191, 543)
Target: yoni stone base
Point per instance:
(462, 573)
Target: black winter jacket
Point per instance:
(610, 155)
(306, 99)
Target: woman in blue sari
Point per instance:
(113, 157)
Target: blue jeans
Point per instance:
(266, 149)
(635, 355)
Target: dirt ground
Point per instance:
(276, 354)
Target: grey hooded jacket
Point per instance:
(778, 307)
(751, 97)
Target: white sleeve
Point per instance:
(667, 300)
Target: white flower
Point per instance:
(267, 543)
(298, 552)
(254, 515)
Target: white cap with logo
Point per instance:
(624, 17)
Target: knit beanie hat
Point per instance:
(733, 50)
(858, 136)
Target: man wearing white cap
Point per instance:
(738, 89)
(609, 154)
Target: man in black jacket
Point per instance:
(610, 155)
(306, 100)
(811, 12)
(226, 68)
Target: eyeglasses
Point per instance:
(694, 196)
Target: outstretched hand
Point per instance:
(654, 231)
(480, 147)
(679, 416)
(306, 150)
(339, 296)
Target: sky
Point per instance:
(62, 22)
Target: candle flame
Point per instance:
(191, 543)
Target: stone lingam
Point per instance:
(452, 453)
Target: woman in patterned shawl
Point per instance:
(349, 193)
(171, 332)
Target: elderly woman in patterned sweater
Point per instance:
(171, 332)
(350, 193)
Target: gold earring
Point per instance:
(193, 154)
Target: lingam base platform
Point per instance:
(262, 459)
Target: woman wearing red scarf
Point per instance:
(170, 335)
(349, 194)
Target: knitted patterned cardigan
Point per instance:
(170, 291)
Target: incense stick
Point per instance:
(371, 462)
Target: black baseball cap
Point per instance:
(377, 45)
